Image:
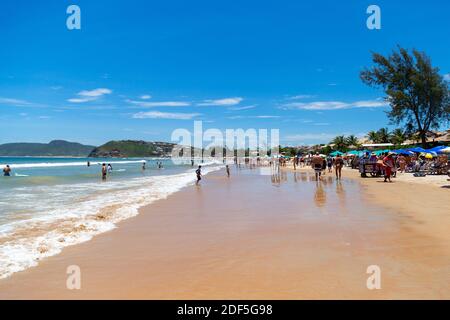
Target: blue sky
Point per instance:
(140, 69)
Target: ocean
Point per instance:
(51, 203)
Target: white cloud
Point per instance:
(310, 138)
(241, 108)
(90, 95)
(301, 96)
(19, 103)
(44, 117)
(165, 115)
(14, 102)
(221, 102)
(447, 77)
(145, 97)
(335, 105)
(267, 117)
(147, 104)
(94, 93)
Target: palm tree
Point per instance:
(397, 137)
(383, 135)
(340, 142)
(373, 136)
(352, 140)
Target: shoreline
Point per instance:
(205, 242)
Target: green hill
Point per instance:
(132, 148)
(52, 149)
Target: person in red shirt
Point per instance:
(388, 163)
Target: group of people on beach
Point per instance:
(320, 164)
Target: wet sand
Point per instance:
(258, 236)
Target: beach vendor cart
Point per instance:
(369, 168)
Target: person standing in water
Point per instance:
(338, 163)
(7, 171)
(143, 166)
(228, 170)
(88, 164)
(198, 173)
(316, 163)
(110, 169)
(104, 171)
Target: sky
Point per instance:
(141, 69)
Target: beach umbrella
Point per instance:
(437, 149)
(445, 150)
(428, 156)
(335, 153)
(417, 150)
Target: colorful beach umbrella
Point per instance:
(417, 150)
(445, 150)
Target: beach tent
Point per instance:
(402, 151)
(436, 149)
(417, 150)
(335, 153)
(379, 152)
(353, 153)
(445, 150)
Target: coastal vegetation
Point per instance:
(52, 149)
(418, 95)
(132, 148)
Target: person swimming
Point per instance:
(7, 171)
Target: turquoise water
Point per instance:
(50, 203)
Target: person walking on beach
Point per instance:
(198, 173)
(104, 171)
(7, 171)
(329, 163)
(316, 163)
(338, 163)
(228, 171)
(388, 163)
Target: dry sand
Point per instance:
(257, 236)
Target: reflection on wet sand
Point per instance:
(320, 187)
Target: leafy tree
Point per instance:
(352, 140)
(418, 95)
(397, 136)
(340, 142)
(383, 135)
(373, 136)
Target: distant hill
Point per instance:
(132, 148)
(52, 149)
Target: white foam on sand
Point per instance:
(65, 164)
(93, 208)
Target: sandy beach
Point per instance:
(263, 236)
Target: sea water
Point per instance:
(50, 203)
